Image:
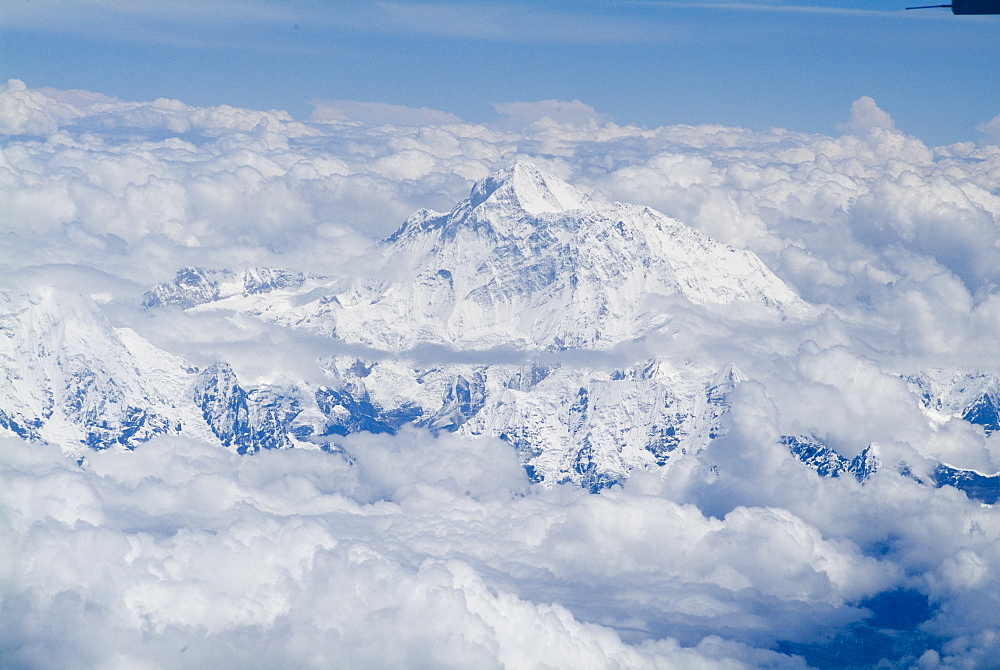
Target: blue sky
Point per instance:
(759, 65)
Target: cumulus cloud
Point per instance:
(41, 111)
(866, 116)
(415, 550)
(183, 554)
(29, 112)
(872, 225)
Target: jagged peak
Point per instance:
(193, 286)
(866, 464)
(729, 376)
(525, 186)
(422, 219)
(494, 254)
(501, 201)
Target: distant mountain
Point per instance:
(73, 380)
(519, 296)
(195, 286)
(946, 394)
(828, 463)
(530, 262)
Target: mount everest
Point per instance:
(511, 316)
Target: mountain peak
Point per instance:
(524, 186)
(502, 201)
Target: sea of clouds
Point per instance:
(422, 551)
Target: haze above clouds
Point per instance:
(437, 551)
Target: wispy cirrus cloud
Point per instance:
(231, 22)
(528, 22)
(375, 113)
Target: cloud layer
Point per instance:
(414, 550)
(180, 554)
(418, 551)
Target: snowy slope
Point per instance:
(568, 423)
(195, 286)
(946, 394)
(74, 380)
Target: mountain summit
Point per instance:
(526, 265)
(530, 261)
(524, 186)
(501, 202)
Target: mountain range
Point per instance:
(505, 317)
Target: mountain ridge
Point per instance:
(526, 264)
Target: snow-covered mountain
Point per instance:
(945, 394)
(518, 296)
(828, 463)
(568, 423)
(74, 380)
(194, 286)
(528, 261)
(526, 264)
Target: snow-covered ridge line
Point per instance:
(527, 264)
(196, 286)
(827, 462)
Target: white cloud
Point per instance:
(29, 112)
(867, 116)
(174, 553)
(436, 549)
(991, 128)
